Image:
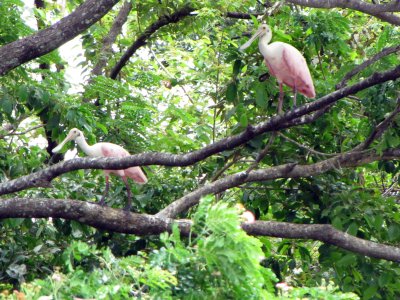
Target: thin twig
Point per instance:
(170, 75)
(22, 132)
(262, 153)
(305, 147)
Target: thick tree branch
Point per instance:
(142, 39)
(325, 233)
(43, 178)
(114, 220)
(345, 160)
(365, 64)
(44, 41)
(381, 11)
(393, 6)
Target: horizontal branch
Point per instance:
(381, 11)
(325, 233)
(43, 178)
(393, 6)
(44, 41)
(116, 220)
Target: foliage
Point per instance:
(220, 261)
(186, 88)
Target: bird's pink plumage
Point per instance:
(135, 173)
(290, 68)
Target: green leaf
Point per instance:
(7, 104)
(394, 232)
(370, 292)
(261, 96)
(231, 92)
(382, 40)
(237, 66)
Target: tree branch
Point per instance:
(365, 64)
(116, 28)
(325, 233)
(345, 160)
(43, 178)
(116, 220)
(44, 41)
(142, 39)
(244, 16)
(380, 128)
(381, 11)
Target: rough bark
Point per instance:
(325, 233)
(345, 160)
(49, 39)
(115, 220)
(381, 11)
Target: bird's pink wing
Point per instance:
(298, 69)
(135, 173)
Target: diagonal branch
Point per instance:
(43, 178)
(368, 62)
(380, 128)
(142, 39)
(345, 160)
(116, 28)
(381, 11)
(44, 41)
(161, 22)
(115, 220)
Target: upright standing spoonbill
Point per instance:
(106, 150)
(285, 63)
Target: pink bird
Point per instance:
(246, 215)
(285, 63)
(106, 150)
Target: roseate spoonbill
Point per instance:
(106, 150)
(246, 215)
(285, 63)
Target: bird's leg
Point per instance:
(102, 201)
(294, 96)
(128, 189)
(280, 101)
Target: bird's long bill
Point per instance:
(59, 147)
(251, 40)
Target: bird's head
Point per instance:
(263, 30)
(74, 134)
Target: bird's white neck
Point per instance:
(80, 140)
(263, 43)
